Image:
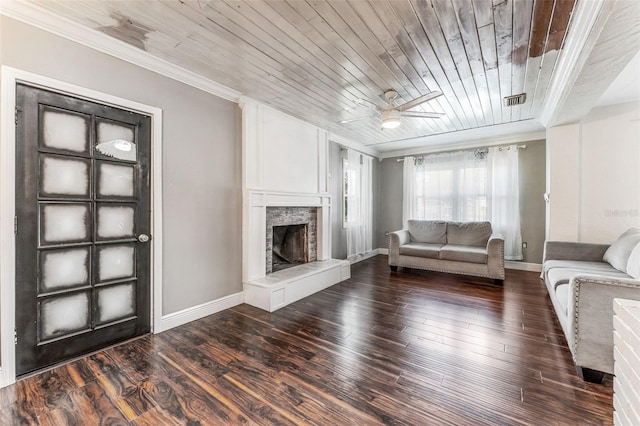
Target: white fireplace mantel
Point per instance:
(284, 165)
(256, 203)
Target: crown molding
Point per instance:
(349, 143)
(587, 22)
(499, 134)
(468, 144)
(36, 16)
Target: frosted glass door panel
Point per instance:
(64, 223)
(64, 315)
(116, 302)
(115, 180)
(64, 177)
(116, 262)
(65, 130)
(62, 269)
(116, 141)
(115, 222)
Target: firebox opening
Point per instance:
(290, 246)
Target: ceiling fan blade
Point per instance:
(365, 103)
(351, 120)
(419, 114)
(422, 99)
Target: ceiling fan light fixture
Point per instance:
(390, 119)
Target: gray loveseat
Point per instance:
(467, 248)
(582, 280)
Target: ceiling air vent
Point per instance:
(510, 101)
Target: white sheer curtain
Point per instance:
(505, 199)
(451, 186)
(359, 214)
(467, 186)
(409, 191)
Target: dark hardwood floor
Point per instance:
(397, 348)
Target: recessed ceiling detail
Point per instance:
(327, 61)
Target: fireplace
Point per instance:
(290, 246)
(291, 237)
(264, 214)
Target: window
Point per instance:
(351, 197)
(467, 186)
(357, 198)
(451, 187)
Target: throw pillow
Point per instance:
(617, 255)
(633, 264)
(468, 233)
(428, 231)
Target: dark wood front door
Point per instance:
(82, 221)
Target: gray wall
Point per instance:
(532, 206)
(389, 207)
(201, 159)
(339, 234)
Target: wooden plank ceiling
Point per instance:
(328, 61)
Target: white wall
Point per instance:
(594, 175)
(282, 153)
(563, 182)
(610, 172)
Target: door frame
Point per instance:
(10, 78)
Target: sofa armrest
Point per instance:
(590, 317)
(495, 256)
(563, 250)
(396, 239)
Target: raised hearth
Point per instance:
(283, 287)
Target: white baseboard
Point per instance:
(361, 257)
(5, 381)
(176, 319)
(384, 251)
(522, 266)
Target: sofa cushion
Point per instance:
(430, 251)
(633, 264)
(618, 253)
(562, 296)
(468, 233)
(428, 231)
(559, 276)
(464, 253)
(584, 266)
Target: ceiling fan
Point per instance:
(391, 115)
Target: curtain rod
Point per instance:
(400, 160)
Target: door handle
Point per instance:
(143, 238)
